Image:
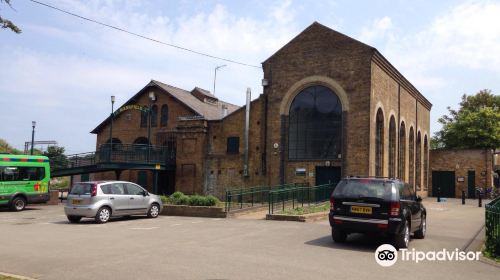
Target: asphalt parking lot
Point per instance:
(40, 243)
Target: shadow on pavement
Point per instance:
(354, 242)
(7, 209)
(91, 221)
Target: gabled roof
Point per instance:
(209, 111)
(376, 57)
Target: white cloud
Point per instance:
(376, 31)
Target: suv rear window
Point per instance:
(80, 189)
(364, 189)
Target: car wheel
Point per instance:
(74, 219)
(403, 240)
(154, 210)
(339, 236)
(18, 204)
(103, 215)
(420, 234)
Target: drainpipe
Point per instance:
(247, 128)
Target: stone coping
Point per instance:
(193, 211)
(298, 218)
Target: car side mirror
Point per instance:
(145, 193)
(419, 198)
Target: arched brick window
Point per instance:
(379, 143)
(154, 116)
(315, 125)
(426, 163)
(144, 118)
(411, 154)
(402, 152)
(164, 115)
(418, 163)
(392, 147)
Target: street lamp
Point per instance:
(215, 76)
(111, 127)
(152, 98)
(33, 124)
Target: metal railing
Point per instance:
(492, 244)
(240, 198)
(119, 153)
(298, 197)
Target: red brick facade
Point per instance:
(362, 79)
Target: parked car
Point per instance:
(102, 200)
(377, 205)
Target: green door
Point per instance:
(142, 179)
(443, 183)
(471, 184)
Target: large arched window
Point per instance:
(402, 152)
(411, 154)
(418, 163)
(392, 147)
(164, 115)
(141, 141)
(426, 163)
(154, 116)
(379, 144)
(315, 125)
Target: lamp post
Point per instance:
(33, 124)
(215, 76)
(152, 98)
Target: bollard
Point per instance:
(439, 195)
(480, 201)
(463, 197)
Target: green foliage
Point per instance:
(56, 157)
(475, 125)
(164, 199)
(5, 23)
(178, 198)
(5, 148)
(59, 183)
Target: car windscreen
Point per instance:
(81, 189)
(364, 189)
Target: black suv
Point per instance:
(376, 205)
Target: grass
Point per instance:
(323, 207)
(4, 277)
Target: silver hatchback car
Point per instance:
(102, 200)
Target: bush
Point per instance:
(164, 199)
(178, 198)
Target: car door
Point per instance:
(414, 206)
(117, 198)
(137, 203)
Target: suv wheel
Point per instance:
(74, 219)
(403, 240)
(18, 204)
(103, 215)
(339, 236)
(420, 234)
(154, 211)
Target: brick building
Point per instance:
(331, 106)
(463, 169)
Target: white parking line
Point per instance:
(148, 228)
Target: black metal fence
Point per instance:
(282, 199)
(492, 244)
(119, 153)
(240, 198)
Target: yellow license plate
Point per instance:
(76, 201)
(361, 210)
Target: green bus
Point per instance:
(23, 179)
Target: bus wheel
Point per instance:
(18, 204)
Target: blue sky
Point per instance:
(61, 71)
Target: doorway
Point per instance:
(471, 184)
(443, 183)
(327, 174)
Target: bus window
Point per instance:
(21, 173)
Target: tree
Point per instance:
(56, 156)
(5, 23)
(476, 124)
